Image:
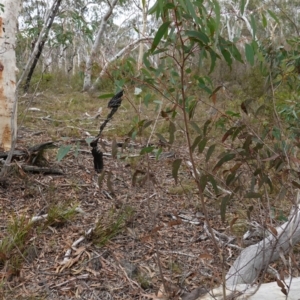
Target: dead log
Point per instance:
(256, 258)
(43, 170)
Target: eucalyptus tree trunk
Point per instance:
(40, 43)
(8, 28)
(87, 83)
(143, 33)
(121, 53)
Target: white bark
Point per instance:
(144, 28)
(36, 47)
(267, 291)
(256, 258)
(89, 64)
(122, 52)
(8, 28)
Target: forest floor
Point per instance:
(153, 228)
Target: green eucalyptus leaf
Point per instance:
(273, 16)
(196, 127)
(249, 54)
(161, 137)
(227, 157)
(224, 203)
(242, 6)
(196, 142)
(253, 25)
(147, 150)
(264, 20)
(203, 182)
(213, 182)
(104, 96)
(162, 30)
(175, 168)
(63, 151)
(202, 144)
(198, 35)
(172, 129)
(210, 152)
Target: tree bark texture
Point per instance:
(41, 42)
(8, 29)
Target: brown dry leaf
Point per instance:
(233, 222)
(175, 222)
(273, 230)
(79, 251)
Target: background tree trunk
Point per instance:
(89, 64)
(144, 28)
(41, 41)
(8, 28)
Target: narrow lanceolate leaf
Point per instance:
(213, 58)
(104, 96)
(211, 179)
(224, 159)
(146, 150)
(253, 25)
(264, 20)
(198, 36)
(242, 6)
(196, 142)
(214, 93)
(203, 182)
(205, 127)
(159, 34)
(230, 178)
(175, 167)
(191, 10)
(236, 53)
(161, 137)
(196, 127)
(114, 148)
(147, 124)
(249, 54)
(217, 11)
(62, 152)
(273, 16)
(238, 131)
(224, 203)
(202, 145)
(228, 133)
(226, 54)
(210, 152)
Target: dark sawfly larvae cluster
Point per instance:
(114, 103)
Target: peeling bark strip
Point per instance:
(8, 28)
